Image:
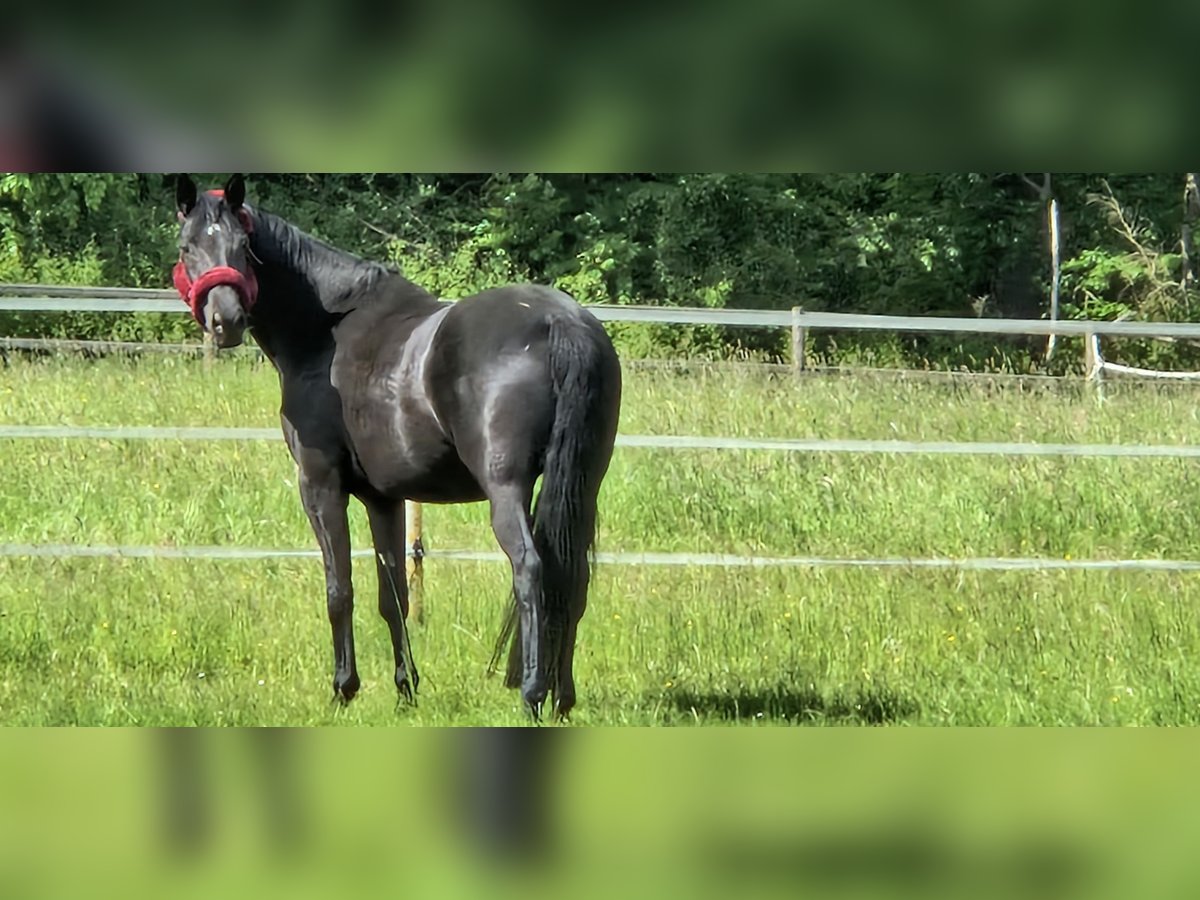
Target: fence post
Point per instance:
(413, 567)
(210, 351)
(1093, 363)
(1091, 356)
(798, 336)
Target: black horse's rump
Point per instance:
(390, 394)
(564, 518)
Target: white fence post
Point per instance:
(414, 568)
(1092, 362)
(210, 351)
(798, 339)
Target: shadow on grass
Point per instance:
(787, 702)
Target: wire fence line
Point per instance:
(91, 304)
(685, 560)
(80, 294)
(43, 298)
(934, 448)
(654, 442)
(64, 345)
(685, 366)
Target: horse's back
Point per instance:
(503, 332)
(513, 309)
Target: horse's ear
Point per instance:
(185, 194)
(235, 192)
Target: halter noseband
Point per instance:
(194, 293)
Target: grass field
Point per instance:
(98, 641)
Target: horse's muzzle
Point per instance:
(227, 321)
(226, 336)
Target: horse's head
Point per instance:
(214, 275)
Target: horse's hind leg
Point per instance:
(387, 531)
(511, 523)
(564, 689)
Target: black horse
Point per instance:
(391, 394)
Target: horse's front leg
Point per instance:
(387, 531)
(326, 502)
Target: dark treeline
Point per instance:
(941, 244)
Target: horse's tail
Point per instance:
(586, 379)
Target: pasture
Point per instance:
(171, 641)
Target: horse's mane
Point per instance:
(341, 279)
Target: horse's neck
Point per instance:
(292, 258)
(294, 353)
(292, 324)
(306, 287)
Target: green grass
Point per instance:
(93, 641)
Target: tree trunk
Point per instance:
(1191, 209)
(1055, 269)
(1045, 193)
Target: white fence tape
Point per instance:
(695, 560)
(657, 442)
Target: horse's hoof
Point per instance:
(406, 692)
(534, 699)
(564, 702)
(344, 693)
(407, 686)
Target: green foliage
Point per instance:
(936, 244)
(56, 225)
(456, 271)
(1099, 283)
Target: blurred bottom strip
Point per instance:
(917, 813)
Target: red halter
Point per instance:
(194, 293)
